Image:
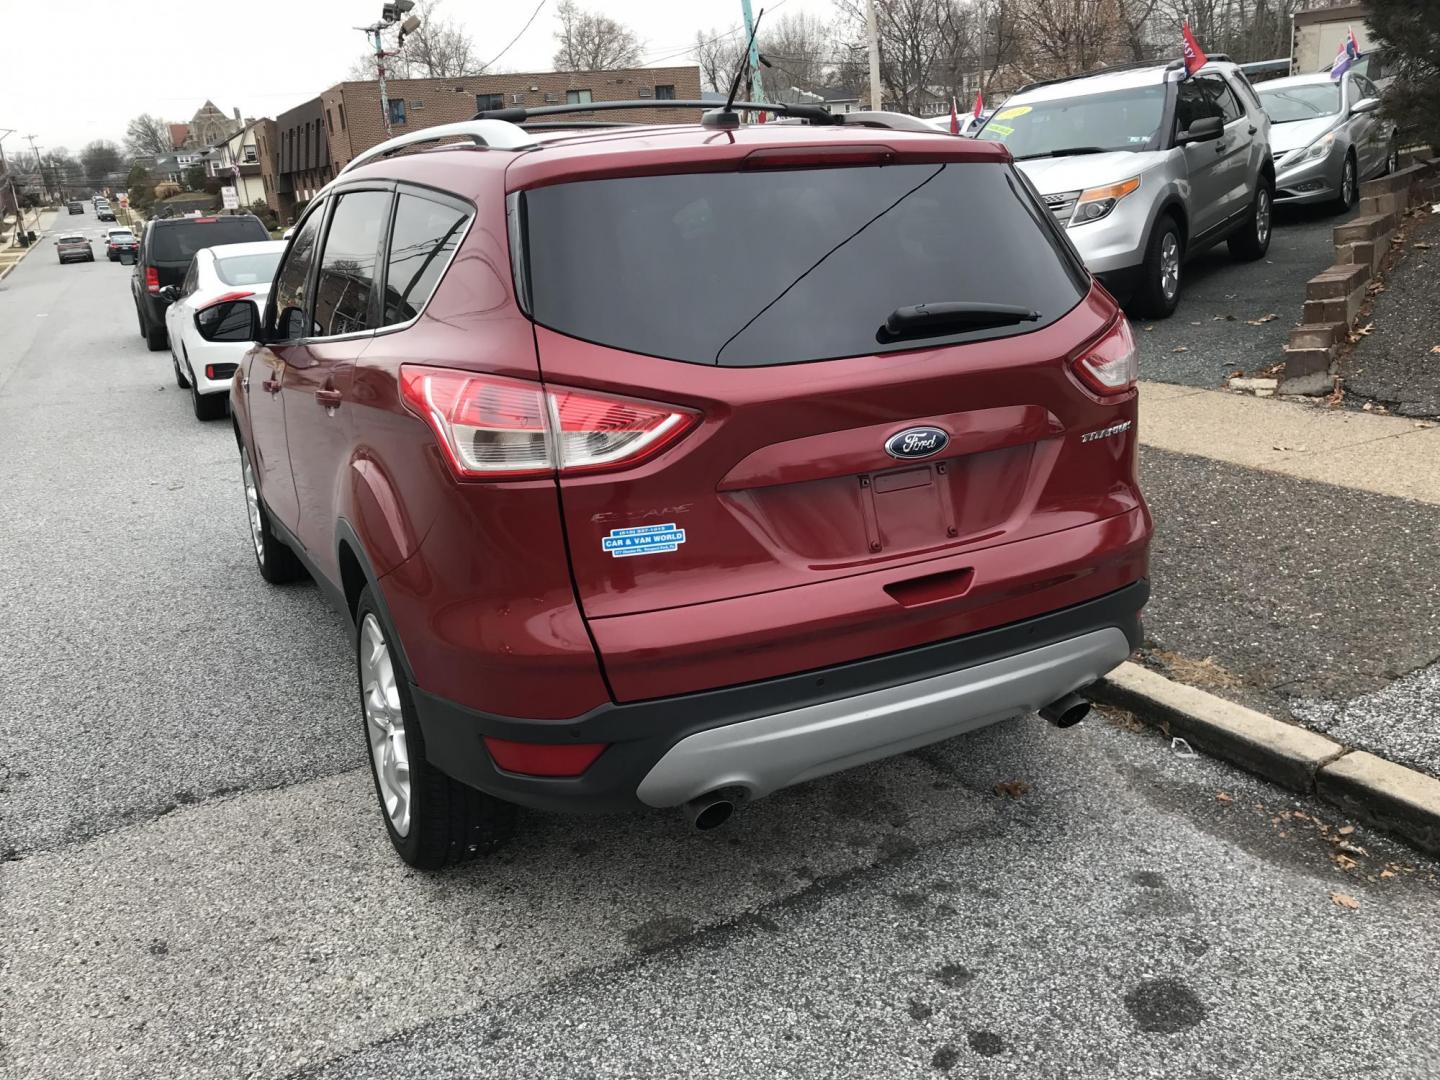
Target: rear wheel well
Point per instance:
(352, 577)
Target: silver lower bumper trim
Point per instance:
(771, 752)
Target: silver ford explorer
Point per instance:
(1145, 166)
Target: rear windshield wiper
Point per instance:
(950, 317)
(1065, 151)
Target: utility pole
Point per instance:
(390, 14)
(39, 167)
(10, 179)
(757, 86)
(876, 98)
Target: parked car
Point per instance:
(969, 123)
(104, 213)
(118, 241)
(231, 272)
(76, 207)
(647, 485)
(166, 248)
(1145, 167)
(1328, 137)
(73, 247)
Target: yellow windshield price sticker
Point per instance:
(998, 129)
(1010, 114)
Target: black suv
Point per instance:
(76, 208)
(165, 253)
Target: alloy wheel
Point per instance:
(1262, 216)
(1170, 266)
(385, 724)
(1347, 183)
(252, 506)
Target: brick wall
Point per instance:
(354, 122)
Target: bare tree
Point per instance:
(99, 159)
(797, 48)
(589, 41)
(147, 136)
(1066, 37)
(917, 40)
(718, 55)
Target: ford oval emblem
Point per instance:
(916, 442)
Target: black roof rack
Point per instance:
(519, 114)
(1134, 65)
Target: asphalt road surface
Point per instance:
(1214, 332)
(197, 883)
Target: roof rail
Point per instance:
(519, 114)
(1133, 65)
(485, 134)
(893, 120)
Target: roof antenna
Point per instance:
(727, 118)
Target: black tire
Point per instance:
(277, 563)
(1253, 239)
(1349, 185)
(180, 380)
(156, 338)
(448, 822)
(1152, 299)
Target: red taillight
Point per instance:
(204, 220)
(493, 428)
(152, 279)
(543, 759)
(816, 157)
(1111, 365)
(238, 294)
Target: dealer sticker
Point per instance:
(643, 540)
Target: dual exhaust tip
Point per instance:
(713, 809)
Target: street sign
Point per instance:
(231, 198)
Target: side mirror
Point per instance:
(1365, 105)
(169, 294)
(229, 320)
(1206, 129)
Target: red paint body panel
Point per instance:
(807, 545)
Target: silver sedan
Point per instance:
(1327, 137)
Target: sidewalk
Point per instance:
(10, 256)
(1295, 565)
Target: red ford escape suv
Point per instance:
(670, 466)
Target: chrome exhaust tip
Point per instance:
(1066, 711)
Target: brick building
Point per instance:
(312, 142)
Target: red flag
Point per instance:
(954, 118)
(979, 103)
(1195, 57)
(763, 117)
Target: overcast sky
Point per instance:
(67, 84)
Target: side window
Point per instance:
(192, 278)
(1365, 88)
(1229, 107)
(294, 274)
(422, 240)
(397, 110)
(347, 264)
(1199, 97)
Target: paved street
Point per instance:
(197, 882)
(1210, 337)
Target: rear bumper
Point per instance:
(765, 735)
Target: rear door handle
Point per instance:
(271, 386)
(329, 398)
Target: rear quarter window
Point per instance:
(758, 268)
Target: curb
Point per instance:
(1399, 800)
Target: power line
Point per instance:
(517, 37)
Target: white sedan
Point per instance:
(227, 272)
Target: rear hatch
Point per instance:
(840, 478)
(174, 243)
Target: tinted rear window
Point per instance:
(778, 267)
(179, 241)
(248, 269)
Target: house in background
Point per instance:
(235, 161)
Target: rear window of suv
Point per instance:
(756, 268)
(178, 241)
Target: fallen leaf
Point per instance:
(1387, 873)
(1344, 862)
(1435, 348)
(1222, 797)
(1149, 328)
(1351, 849)
(1345, 830)
(1195, 324)
(1179, 348)
(1340, 899)
(1013, 788)
(1263, 319)
(1369, 406)
(1361, 331)
(1421, 247)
